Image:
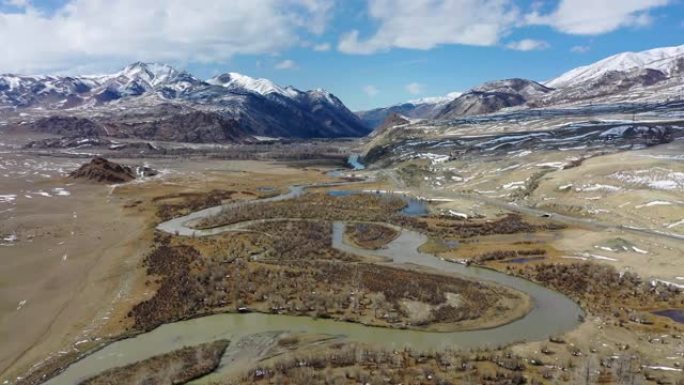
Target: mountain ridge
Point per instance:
(653, 75)
(259, 107)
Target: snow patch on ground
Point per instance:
(457, 214)
(558, 165)
(653, 203)
(675, 224)
(514, 185)
(60, 191)
(7, 198)
(666, 368)
(668, 283)
(9, 240)
(433, 158)
(598, 257)
(597, 187)
(656, 178)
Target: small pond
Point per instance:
(676, 315)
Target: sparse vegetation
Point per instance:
(361, 207)
(290, 267)
(601, 289)
(369, 235)
(177, 367)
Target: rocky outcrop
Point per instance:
(100, 170)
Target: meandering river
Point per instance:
(552, 312)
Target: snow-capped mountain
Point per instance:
(436, 99)
(667, 60)
(652, 76)
(238, 82)
(423, 108)
(656, 75)
(152, 92)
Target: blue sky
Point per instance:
(369, 53)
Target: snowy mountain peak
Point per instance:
(153, 74)
(436, 99)
(236, 81)
(660, 59)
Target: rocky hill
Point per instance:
(493, 96)
(100, 170)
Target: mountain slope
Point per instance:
(424, 108)
(230, 107)
(493, 96)
(654, 75)
(666, 60)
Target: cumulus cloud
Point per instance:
(528, 45)
(425, 24)
(591, 17)
(370, 90)
(286, 65)
(17, 3)
(414, 88)
(321, 47)
(100, 32)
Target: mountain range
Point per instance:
(157, 101)
(654, 75)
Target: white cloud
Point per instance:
(528, 45)
(580, 49)
(414, 88)
(104, 33)
(594, 17)
(370, 90)
(321, 47)
(424, 24)
(17, 3)
(286, 65)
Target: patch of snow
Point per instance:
(457, 214)
(7, 198)
(599, 257)
(675, 224)
(655, 178)
(558, 165)
(666, 368)
(597, 187)
(60, 191)
(514, 185)
(668, 283)
(654, 203)
(522, 154)
(433, 158)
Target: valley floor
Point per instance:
(76, 261)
